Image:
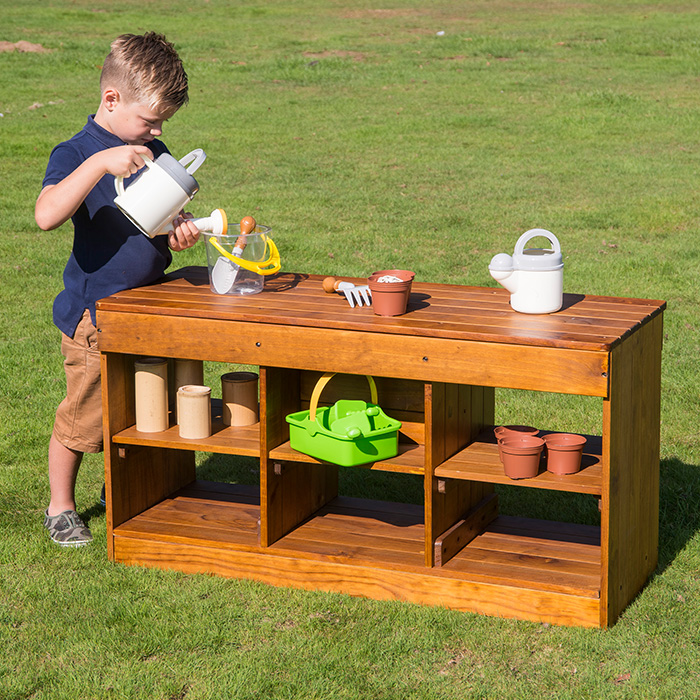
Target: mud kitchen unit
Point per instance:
(436, 369)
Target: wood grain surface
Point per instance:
(434, 310)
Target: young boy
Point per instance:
(143, 83)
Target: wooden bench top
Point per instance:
(593, 323)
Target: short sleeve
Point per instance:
(64, 159)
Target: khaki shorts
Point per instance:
(78, 422)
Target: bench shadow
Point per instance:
(679, 512)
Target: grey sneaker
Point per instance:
(67, 529)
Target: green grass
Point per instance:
(366, 141)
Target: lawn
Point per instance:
(423, 135)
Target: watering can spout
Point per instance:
(501, 269)
(215, 223)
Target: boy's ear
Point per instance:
(110, 98)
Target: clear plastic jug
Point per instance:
(238, 264)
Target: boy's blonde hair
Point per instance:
(146, 68)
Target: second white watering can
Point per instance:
(533, 276)
(160, 191)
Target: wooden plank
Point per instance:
(395, 525)
(511, 330)
(444, 315)
(225, 515)
(353, 550)
(464, 531)
(432, 359)
(543, 573)
(354, 529)
(422, 586)
(599, 327)
(541, 547)
(631, 448)
(490, 304)
(189, 512)
(231, 538)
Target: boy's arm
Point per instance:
(57, 203)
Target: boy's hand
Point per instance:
(123, 161)
(57, 203)
(184, 234)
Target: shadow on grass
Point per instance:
(229, 469)
(679, 508)
(358, 483)
(96, 510)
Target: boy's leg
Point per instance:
(65, 526)
(63, 471)
(77, 429)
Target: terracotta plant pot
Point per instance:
(405, 275)
(564, 452)
(390, 298)
(521, 456)
(504, 431)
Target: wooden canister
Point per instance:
(185, 372)
(151, 384)
(194, 411)
(239, 391)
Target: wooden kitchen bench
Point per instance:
(436, 369)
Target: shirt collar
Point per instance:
(106, 138)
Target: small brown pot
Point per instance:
(390, 298)
(503, 431)
(521, 456)
(564, 452)
(405, 275)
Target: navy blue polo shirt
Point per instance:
(109, 253)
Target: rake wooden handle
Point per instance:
(330, 285)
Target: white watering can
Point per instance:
(533, 276)
(160, 192)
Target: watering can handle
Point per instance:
(532, 233)
(320, 385)
(119, 181)
(196, 157)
